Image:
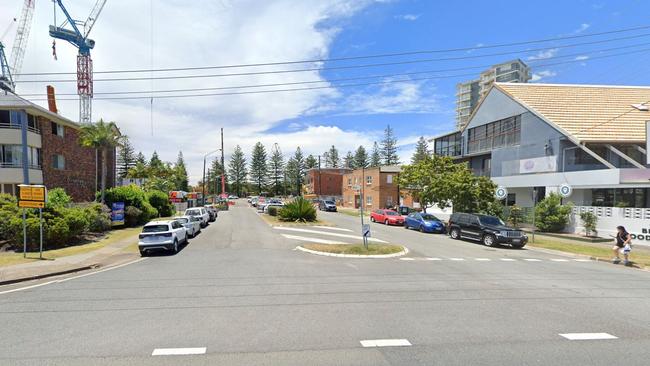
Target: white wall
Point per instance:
(608, 219)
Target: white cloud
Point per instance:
(541, 55)
(409, 17)
(583, 27)
(544, 74)
(581, 58)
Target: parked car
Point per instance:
(262, 205)
(165, 235)
(212, 212)
(327, 206)
(274, 204)
(233, 197)
(199, 212)
(388, 217)
(424, 222)
(490, 230)
(192, 225)
(251, 198)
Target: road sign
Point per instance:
(356, 187)
(31, 204)
(501, 193)
(565, 190)
(366, 231)
(117, 213)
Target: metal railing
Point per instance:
(19, 165)
(17, 127)
(489, 143)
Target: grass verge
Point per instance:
(352, 212)
(12, 258)
(640, 256)
(358, 249)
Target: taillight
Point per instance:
(167, 235)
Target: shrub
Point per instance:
(589, 220)
(57, 197)
(56, 233)
(99, 217)
(76, 220)
(148, 212)
(132, 216)
(273, 211)
(8, 210)
(33, 232)
(160, 201)
(298, 210)
(516, 216)
(551, 215)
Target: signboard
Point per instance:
(365, 231)
(501, 193)
(647, 142)
(565, 190)
(117, 213)
(31, 196)
(356, 187)
(542, 164)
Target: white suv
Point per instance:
(199, 212)
(167, 235)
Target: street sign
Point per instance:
(501, 193)
(31, 196)
(117, 213)
(31, 204)
(356, 187)
(366, 231)
(565, 190)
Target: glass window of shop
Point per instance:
(620, 197)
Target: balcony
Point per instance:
(489, 143)
(31, 128)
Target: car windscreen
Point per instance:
(193, 212)
(155, 228)
(183, 220)
(490, 220)
(391, 213)
(428, 217)
(329, 202)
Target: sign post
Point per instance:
(32, 196)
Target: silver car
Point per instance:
(192, 225)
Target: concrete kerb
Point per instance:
(581, 256)
(51, 274)
(371, 256)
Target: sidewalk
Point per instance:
(111, 254)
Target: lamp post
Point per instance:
(204, 157)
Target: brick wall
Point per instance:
(382, 192)
(78, 176)
(330, 185)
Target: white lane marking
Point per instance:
(312, 240)
(101, 270)
(582, 260)
(587, 336)
(326, 233)
(482, 259)
(532, 260)
(456, 259)
(559, 260)
(508, 259)
(178, 351)
(407, 259)
(26, 287)
(332, 228)
(433, 259)
(385, 343)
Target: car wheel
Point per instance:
(175, 250)
(488, 240)
(143, 253)
(386, 222)
(421, 229)
(372, 219)
(406, 226)
(454, 233)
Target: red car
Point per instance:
(388, 217)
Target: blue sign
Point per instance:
(117, 213)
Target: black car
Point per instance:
(490, 230)
(327, 205)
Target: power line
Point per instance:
(327, 86)
(396, 54)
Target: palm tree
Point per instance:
(103, 136)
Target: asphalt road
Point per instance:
(239, 295)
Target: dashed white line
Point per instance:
(482, 259)
(386, 343)
(101, 270)
(532, 260)
(559, 260)
(178, 351)
(508, 259)
(456, 259)
(326, 233)
(407, 259)
(433, 259)
(582, 260)
(312, 240)
(587, 336)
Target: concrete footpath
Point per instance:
(111, 254)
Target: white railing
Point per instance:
(596, 210)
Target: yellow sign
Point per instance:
(31, 204)
(31, 193)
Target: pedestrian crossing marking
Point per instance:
(308, 231)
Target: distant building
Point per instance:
(324, 182)
(54, 157)
(380, 188)
(468, 94)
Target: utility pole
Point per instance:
(223, 167)
(320, 186)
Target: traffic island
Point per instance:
(355, 250)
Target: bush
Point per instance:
(273, 211)
(551, 215)
(76, 219)
(160, 201)
(516, 216)
(8, 210)
(99, 217)
(132, 216)
(298, 210)
(57, 197)
(134, 196)
(33, 232)
(589, 220)
(56, 233)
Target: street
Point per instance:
(239, 294)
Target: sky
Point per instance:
(147, 34)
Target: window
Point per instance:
(4, 118)
(32, 123)
(57, 129)
(349, 182)
(448, 145)
(11, 155)
(389, 201)
(369, 180)
(389, 179)
(58, 162)
(8, 188)
(512, 199)
(368, 200)
(506, 132)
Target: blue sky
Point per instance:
(229, 32)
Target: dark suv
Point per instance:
(490, 230)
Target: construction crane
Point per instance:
(6, 81)
(80, 40)
(22, 35)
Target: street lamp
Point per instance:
(204, 157)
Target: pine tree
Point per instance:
(332, 158)
(259, 169)
(361, 158)
(375, 158)
(141, 159)
(421, 151)
(311, 162)
(348, 161)
(213, 183)
(156, 165)
(181, 180)
(299, 170)
(125, 157)
(237, 169)
(291, 174)
(389, 147)
(276, 166)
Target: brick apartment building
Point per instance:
(54, 156)
(325, 182)
(380, 188)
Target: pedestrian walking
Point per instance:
(622, 245)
